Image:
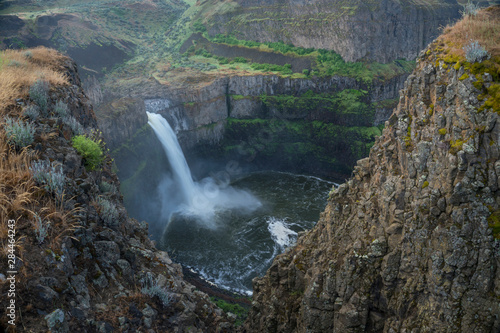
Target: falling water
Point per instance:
(175, 156)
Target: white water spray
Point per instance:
(201, 199)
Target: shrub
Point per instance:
(90, 150)
(19, 133)
(475, 52)
(151, 288)
(14, 63)
(28, 54)
(239, 60)
(199, 26)
(106, 187)
(49, 176)
(61, 109)
(41, 229)
(75, 125)
(32, 112)
(39, 93)
(470, 9)
(107, 210)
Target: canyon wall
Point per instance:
(411, 242)
(199, 106)
(201, 114)
(357, 30)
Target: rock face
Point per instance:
(199, 112)
(101, 272)
(405, 245)
(215, 120)
(358, 30)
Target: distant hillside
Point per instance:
(379, 31)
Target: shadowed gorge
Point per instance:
(309, 166)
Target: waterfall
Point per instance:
(201, 201)
(175, 156)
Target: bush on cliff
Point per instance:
(90, 149)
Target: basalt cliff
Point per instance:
(411, 242)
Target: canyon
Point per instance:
(408, 243)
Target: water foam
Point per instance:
(280, 232)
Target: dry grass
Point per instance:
(17, 190)
(63, 222)
(20, 69)
(484, 27)
(16, 183)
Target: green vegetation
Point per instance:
(327, 63)
(442, 131)
(32, 112)
(240, 311)
(351, 107)
(90, 149)
(456, 146)
(285, 69)
(494, 223)
(276, 46)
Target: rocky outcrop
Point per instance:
(357, 30)
(96, 270)
(407, 244)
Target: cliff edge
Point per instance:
(411, 242)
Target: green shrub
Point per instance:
(240, 311)
(19, 133)
(90, 150)
(39, 93)
(239, 60)
(198, 26)
(14, 63)
(470, 9)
